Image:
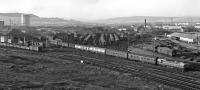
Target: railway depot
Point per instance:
(132, 46)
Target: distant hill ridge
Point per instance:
(16, 14)
(14, 18)
(139, 19)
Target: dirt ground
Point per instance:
(20, 71)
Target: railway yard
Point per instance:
(28, 70)
(98, 60)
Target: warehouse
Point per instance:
(189, 37)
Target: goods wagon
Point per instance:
(97, 49)
(176, 64)
(141, 58)
(116, 53)
(166, 51)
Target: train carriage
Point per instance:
(71, 45)
(116, 53)
(146, 59)
(64, 44)
(54, 42)
(82, 47)
(59, 43)
(23, 47)
(27, 48)
(17, 46)
(97, 50)
(175, 64)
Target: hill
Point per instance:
(140, 19)
(15, 19)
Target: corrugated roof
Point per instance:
(190, 35)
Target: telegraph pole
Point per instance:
(127, 43)
(145, 24)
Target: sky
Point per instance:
(102, 9)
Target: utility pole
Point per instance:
(127, 43)
(24, 40)
(145, 24)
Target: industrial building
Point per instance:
(189, 37)
(25, 20)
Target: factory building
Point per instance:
(25, 20)
(189, 37)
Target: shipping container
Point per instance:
(116, 53)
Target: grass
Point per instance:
(33, 72)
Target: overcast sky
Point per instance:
(102, 9)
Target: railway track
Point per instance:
(163, 77)
(168, 78)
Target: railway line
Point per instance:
(163, 77)
(169, 78)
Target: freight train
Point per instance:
(126, 55)
(31, 48)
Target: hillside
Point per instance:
(140, 19)
(15, 18)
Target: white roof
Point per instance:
(190, 35)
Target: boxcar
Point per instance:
(116, 53)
